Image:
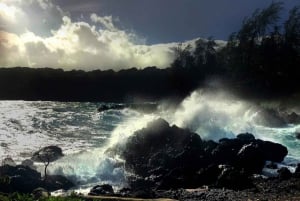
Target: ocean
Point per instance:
(84, 134)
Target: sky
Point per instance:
(113, 34)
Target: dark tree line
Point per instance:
(262, 59)
(263, 54)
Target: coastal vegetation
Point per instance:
(261, 60)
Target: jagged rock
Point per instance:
(23, 179)
(271, 165)
(250, 158)
(226, 151)
(297, 134)
(142, 107)
(125, 192)
(166, 157)
(56, 182)
(297, 170)
(104, 189)
(160, 145)
(232, 178)
(246, 137)
(272, 151)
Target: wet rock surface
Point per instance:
(167, 157)
(23, 179)
(104, 189)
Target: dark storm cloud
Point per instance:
(174, 20)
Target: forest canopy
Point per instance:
(262, 54)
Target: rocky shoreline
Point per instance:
(170, 162)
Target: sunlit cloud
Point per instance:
(47, 37)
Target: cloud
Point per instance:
(106, 21)
(97, 44)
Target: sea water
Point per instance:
(84, 134)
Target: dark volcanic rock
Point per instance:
(163, 151)
(21, 178)
(284, 173)
(248, 137)
(297, 134)
(39, 193)
(226, 151)
(55, 182)
(24, 179)
(168, 157)
(272, 151)
(142, 107)
(297, 170)
(104, 189)
(250, 158)
(232, 178)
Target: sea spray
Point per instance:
(94, 166)
(214, 116)
(217, 115)
(211, 115)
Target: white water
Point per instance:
(84, 134)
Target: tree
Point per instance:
(292, 28)
(47, 155)
(183, 56)
(256, 26)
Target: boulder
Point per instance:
(29, 163)
(284, 173)
(232, 178)
(297, 135)
(271, 165)
(226, 151)
(167, 157)
(161, 147)
(40, 193)
(272, 151)
(57, 182)
(21, 178)
(246, 137)
(250, 158)
(297, 170)
(104, 189)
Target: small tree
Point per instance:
(47, 155)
